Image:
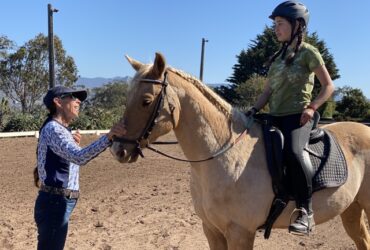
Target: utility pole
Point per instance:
(202, 59)
(51, 10)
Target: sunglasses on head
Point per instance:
(70, 95)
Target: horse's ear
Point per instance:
(159, 65)
(135, 64)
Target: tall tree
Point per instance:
(5, 46)
(24, 73)
(110, 96)
(328, 59)
(252, 61)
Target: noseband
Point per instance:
(152, 119)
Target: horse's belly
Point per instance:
(225, 207)
(329, 202)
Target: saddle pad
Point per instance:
(329, 163)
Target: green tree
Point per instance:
(4, 111)
(327, 109)
(111, 96)
(249, 91)
(94, 118)
(252, 61)
(352, 103)
(5, 46)
(24, 73)
(328, 59)
(105, 107)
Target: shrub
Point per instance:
(23, 122)
(89, 119)
(95, 118)
(367, 117)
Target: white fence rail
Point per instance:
(36, 133)
(96, 132)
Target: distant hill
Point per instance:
(216, 85)
(94, 82)
(99, 81)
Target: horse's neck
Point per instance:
(203, 128)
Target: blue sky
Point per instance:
(97, 34)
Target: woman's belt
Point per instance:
(71, 194)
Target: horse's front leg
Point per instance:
(216, 239)
(238, 238)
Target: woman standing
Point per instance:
(58, 163)
(288, 89)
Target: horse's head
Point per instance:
(152, 109)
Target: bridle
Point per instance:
(153, 120)
(153, 117)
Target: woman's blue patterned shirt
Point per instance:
(59, 157)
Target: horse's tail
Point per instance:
(36, 178)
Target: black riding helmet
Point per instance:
(292, 10)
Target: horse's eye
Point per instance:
(147, 99)
(147, 102)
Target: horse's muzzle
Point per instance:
(124, 155)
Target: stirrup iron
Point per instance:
(308, 228)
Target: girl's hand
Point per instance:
(307, 115)
(77, 137)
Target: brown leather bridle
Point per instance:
(152, 119)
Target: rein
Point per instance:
(153, 120)
(223, 150)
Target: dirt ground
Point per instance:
(145, 205)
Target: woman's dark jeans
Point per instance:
(52, 214)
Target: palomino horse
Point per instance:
(232, 192)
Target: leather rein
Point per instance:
(153, 120)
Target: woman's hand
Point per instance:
(117, 130)
(77, 137)
(251, 112)
(307, 115)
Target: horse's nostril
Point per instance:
(122, 153)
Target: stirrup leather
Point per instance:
(299, 226)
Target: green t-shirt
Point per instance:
(292, 85)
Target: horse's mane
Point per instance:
(215, 99)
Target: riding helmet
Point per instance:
(291, 10)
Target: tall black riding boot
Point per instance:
(304, 223)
